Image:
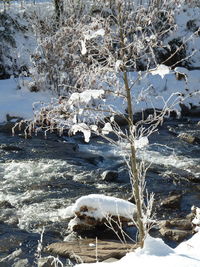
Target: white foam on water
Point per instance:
(163, 155)
(33, 208)
(168, 160)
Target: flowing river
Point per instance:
(40, 177)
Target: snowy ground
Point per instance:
(188, 23)
(18, 102)
(157, 89)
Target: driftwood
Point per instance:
(90, 250)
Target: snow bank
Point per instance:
(188, 22)
(156, 89)
(18, 41)
(160, 88)
(18, 102)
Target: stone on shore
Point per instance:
(90, 250)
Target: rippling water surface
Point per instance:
(38, 178)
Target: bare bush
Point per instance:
(88, 41)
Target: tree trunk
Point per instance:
(136, 194)
(58, 8)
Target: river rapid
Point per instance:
(40, 177)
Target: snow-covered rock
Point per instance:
(95, 209)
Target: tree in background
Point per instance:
(58, 9)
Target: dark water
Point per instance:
(39, 178)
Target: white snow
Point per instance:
(85, 97)
(83, 47)
(18, 102)
(100, 206)
(81, 127)
(188, 22)
(158, 90)
(161, 70)
(93, 34)
(161, 88)
(107, 128)
(196, 220)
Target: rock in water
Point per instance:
(109, 176)
(10, 148)
(189, 138)
(96, 209)
(172, 202)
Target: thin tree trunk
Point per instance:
(133, 163)
(58, 8)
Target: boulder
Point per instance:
(181, 224)
(47, 262)
(171, 202)
(121, 120)
(7, 127)
(83, 224)
(5, 205)
(177, 229)
(192, 112)
(109, 176)
(9, 242)
(175, 234)
(87, 223)
(10, 148)
(15, 259)
(189, 138)
(181, 175)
